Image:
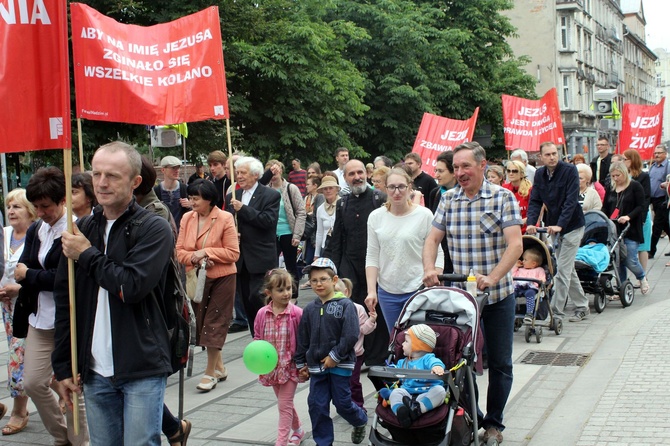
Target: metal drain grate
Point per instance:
(535, 357)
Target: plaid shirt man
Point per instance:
(474, 231)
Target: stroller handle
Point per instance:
(452, 277)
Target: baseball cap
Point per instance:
(170, 161)
(321, 262)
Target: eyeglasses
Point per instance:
(512, 171)
(320, 281)
(658, 153)
(400, 187)
(376, 181)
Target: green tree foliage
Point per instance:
(427, 56)
(306, 77)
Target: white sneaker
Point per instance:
(644, 286)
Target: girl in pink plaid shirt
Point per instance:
(277, 323)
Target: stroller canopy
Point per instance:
(598, 228)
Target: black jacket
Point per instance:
(561, 196)
(257, 225)
(604, 169)
(135, 279)
(631, 203)
(37, 278)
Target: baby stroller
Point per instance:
(606, 284)
(454, 315)
(543, 316)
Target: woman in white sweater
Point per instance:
(396, 234)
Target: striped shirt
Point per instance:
(474, 231)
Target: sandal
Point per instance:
(11, 429)
(296, 438)
(181, 437)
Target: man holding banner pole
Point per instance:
(122, 253)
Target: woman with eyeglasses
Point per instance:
(520, 185)
(396, 234)
(633, 161)
(208, 234)
(379, 178)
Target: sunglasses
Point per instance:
(512, 171)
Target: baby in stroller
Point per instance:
(529, 267)
(415, 397)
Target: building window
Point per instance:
(566, 91)
(659, 82)
(564, 33)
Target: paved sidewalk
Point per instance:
(619, 397)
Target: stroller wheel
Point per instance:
(627, 294)
(538, 335)
(527, 334)
(600, 301)
(558, 326)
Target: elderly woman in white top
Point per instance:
(325, 214)
(20, 215)
(396, 234)
(588, 197)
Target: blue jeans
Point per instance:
(124, 411)
(323, 388)
(631, 261)
(391, 305)
(499, 337)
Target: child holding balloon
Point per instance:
(277, 323)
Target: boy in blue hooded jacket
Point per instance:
(325, 353)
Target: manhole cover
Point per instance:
(534, 357)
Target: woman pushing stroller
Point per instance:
(624, 204)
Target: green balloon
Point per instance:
(260, 357)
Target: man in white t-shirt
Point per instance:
(122, 253)
(342, 157)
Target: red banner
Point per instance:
(641, 128)
(34, 77)
(438, 134)
(162, 74)
(528, 123)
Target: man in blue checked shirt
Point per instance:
(482, 224)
